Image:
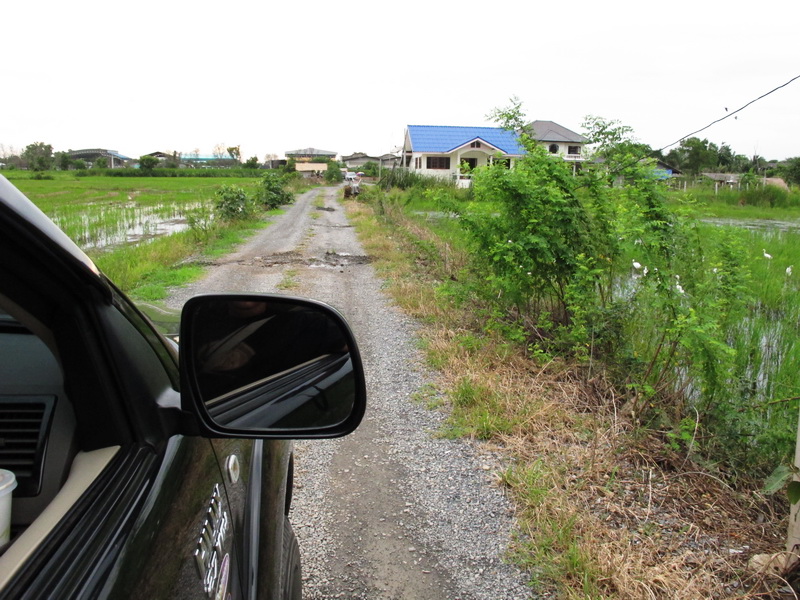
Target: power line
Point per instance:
(730, 114)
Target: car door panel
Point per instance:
(162, 556)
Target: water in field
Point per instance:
(108, 225)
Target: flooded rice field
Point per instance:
(109, 225)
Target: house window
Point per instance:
(438, 162)
(475, 145)
(573, 149)
(418, 163)
(553, 148)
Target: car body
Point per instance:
(137, 477)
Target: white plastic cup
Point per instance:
(7, 484)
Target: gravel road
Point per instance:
(391, 511)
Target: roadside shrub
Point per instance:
(333, 174)
(272, 191)
(232, 202)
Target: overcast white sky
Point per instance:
(274, 76)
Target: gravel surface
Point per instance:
(391, 511)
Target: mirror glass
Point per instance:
(269, 363)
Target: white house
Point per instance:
(558, 140)
(443, 151)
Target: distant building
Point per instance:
(309, 154)
(311, 169)
(359, 159)
(90, 155)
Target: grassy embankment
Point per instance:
(608, 506)
(98, 213)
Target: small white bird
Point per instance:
(678, 285)
(789, 270)
(766, 255)
(637, 265)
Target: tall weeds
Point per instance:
(689, 320)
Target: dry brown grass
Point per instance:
(605, 509)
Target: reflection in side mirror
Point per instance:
(271, 364)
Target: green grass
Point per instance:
(89, 208)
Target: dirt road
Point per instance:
(392, 511)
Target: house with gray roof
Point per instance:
(451, 152)
(558, 140)
(359, 159)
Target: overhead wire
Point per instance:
(627, 164)
(730, 114)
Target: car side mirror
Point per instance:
(270, 366)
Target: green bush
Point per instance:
(232, 203)
(272, 191)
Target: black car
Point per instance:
(140, 475)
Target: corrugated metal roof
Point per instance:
(310, 152)
(443, 138)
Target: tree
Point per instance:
(790, 170)
(101, 163)
(235, 153)
(251, 163)
(370, 168)
(63, 161)
(699, 155)
(334, 173)
(38, 156)
(148, 163)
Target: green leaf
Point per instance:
(793, 492)
(778, 479)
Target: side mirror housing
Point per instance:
(269, 366)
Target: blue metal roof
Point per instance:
(442, 138)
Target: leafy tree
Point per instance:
(79, 164)
(334, 173)
(700, 155)
(63, 161)
(790, 170)
(251, 163)
(148, 163)
(370, 169)
(101, 163)
(39, 156)
(235, 153)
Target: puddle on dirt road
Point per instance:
(330, 260)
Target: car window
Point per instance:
(163, 350)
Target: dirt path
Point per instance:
(392, 511)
